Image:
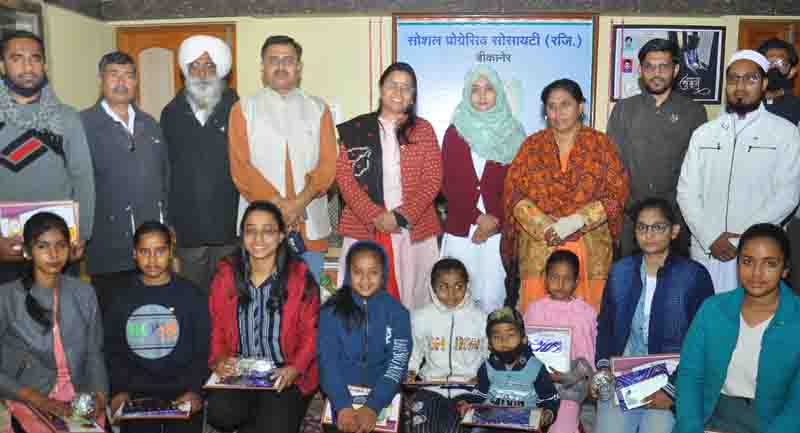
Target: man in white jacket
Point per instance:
(741, 169)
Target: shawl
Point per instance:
(46, 118)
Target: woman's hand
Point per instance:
(225, 367)
(366, 418)
(462, 407)
(659, 400)
(287, 376)
(118, 400)
(387, 222)
(346, 420)
(487, 226)
(411, 376)
(100, 406)
(547, 418)
(43, 403)
(551, 237)
(191, 397)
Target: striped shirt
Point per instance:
(259, 326)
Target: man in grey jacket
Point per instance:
(652, 132)
(43, 150)
(131, 173)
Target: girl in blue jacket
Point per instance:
(740, 363)
(364, 340)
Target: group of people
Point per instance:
(236, 190)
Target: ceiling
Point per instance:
(156, 9)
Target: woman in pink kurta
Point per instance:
(561, 308)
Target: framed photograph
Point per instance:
(20, 15)
(152, 409)
(506, 418)
(551, 345)
(388, 420)
(702, 52)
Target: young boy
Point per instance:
(512, 376)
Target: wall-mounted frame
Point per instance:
(702, 51)
(528, 52)
(21, 15)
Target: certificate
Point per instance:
(389, 418)
(14, 215)
(624, 364)
(58, 424)
(453, 382)
(551, 345)
(153, 408)
(508, 418)
(637, 377)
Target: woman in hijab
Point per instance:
(477, 149)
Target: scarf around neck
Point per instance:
(496, 134)
(46, 118)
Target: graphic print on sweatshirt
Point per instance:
(29, 147)
(152, 331)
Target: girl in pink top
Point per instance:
(561, 308)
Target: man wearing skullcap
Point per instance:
(741, 168)
(283, 149)
(203, 197)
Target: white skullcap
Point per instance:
(193, 47)
(753, 56)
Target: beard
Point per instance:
(742, 108)
(657, 86)
(25, 86)
(777, 81)
(204, 93)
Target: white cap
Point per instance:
(193, 47)
(753, 56)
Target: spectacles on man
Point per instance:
(747, 79)
(780, 64)
(657, 67)
(657, 228)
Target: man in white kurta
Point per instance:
(741, 169)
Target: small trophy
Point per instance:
(603, 384)
(83, 406)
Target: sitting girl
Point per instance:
(364, 340)
(561, 308)
(156, 336)
(51, 335)
(450, 336)
(740, 363)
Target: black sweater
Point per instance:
(203, 199)
(156, 339)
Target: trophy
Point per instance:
(603, 384)
(83, 405)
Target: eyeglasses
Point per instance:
(780, 64)
(660, 67)
(658, 228)
(747, 79)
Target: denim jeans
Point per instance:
(611, 419)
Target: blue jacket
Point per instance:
(707, 352)
(682, 285)
(374, 353)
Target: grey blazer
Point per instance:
(26, 348)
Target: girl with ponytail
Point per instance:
(264, 303)
(43, 364)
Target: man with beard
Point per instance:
(741, 169)
(203, 198)
(779, 99)
(43, 150)
(652, 132)
(131, 173)
(283, 149)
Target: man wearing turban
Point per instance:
(203, 199)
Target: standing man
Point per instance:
(203, 198)
(283, 148)
(652, 132)
(43, 150)
(779, 99)
(131, 173)
(741, 169)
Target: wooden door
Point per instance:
(753, 32)
(155, 50)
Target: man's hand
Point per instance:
(462, 407)
(659, 400)
(366, 419)
(193, 398)
(346, 420)
(10, 250)
(722, 249)
(387, 223)
(487, 226)
(287, 375)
